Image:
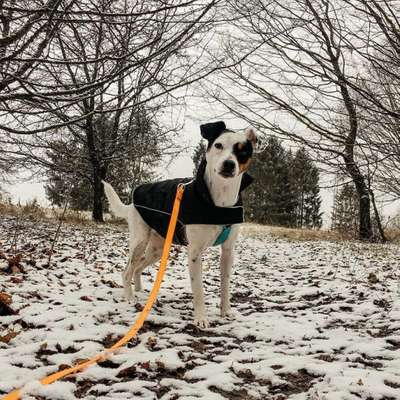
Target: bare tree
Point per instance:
(299, 82)
(113, 59)
(27, 28)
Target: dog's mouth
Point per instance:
(227, 174)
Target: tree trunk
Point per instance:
(99, 173)
(378, 218)
(365, 227)
(97, 212)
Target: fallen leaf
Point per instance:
(151, 342)
(138, 307)
(16, 269)
(7, 337)
(5, 301)
(129, 372)
(372, 278)
(160, 365)
(14, 261)
(5, 298)
(145, 365)
(63, 366)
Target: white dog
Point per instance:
(211, 210)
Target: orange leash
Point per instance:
(15, 395)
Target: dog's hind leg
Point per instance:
(152, 254)
(139, 233)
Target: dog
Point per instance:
(210, 214)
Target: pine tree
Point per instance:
(73, 181)
(271, 199)
(345, 214)
(198, 154)
(305, 183)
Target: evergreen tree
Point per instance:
(305, 183)
(313, 214)
(198, 154)
(345, 215)
(271, 199)
(73, 181)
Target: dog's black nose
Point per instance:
(228, 166)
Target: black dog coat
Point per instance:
(154, 202)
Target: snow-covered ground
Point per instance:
(315, 320)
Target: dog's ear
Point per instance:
(251, 135)
(212, 130)
(254, 139)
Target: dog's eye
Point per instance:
(218, 146)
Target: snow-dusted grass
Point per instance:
(255, 230)
(315, 320)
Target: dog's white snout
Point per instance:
(228, 168)
(229, 165)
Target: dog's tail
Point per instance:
(118, 208)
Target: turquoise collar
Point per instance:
(226, 230)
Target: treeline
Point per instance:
(286, 187)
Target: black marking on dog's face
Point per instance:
(243, 151)
(212, 131)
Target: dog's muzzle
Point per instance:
(228, 169)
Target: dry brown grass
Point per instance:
(32, 210)
(256, 230)
(393, 235)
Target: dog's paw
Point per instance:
(201, 322)
(228, 314)
(130, 296)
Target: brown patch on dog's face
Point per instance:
(244, 167)
(243, 152)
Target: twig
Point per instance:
(57, 233)
(16, 233)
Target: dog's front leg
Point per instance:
(196, 281)
(227, 252)
(225, 271)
